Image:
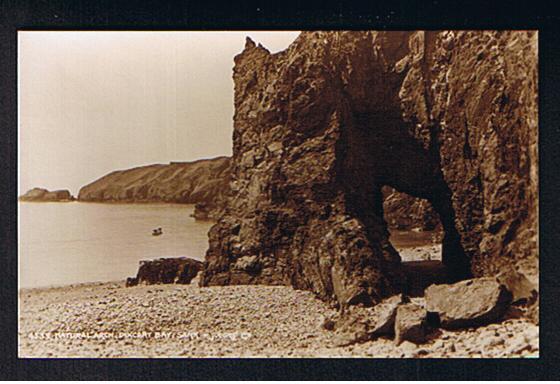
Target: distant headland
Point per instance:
(42, 194)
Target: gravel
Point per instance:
(109, 320)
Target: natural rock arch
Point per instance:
(321, 127)
(403, 163)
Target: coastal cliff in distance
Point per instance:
(42, 194)
(201, 181)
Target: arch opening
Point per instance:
(393, 157)
(416, 233)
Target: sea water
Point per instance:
(67, 243)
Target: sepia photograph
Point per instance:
(278, 194)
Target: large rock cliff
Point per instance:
(322, 127)
(179, 182)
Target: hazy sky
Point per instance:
(95, 102)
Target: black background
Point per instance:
(308, 15)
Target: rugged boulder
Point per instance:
(411, 323)
(201, 181)
(360, 324)
(468, 303)
(322, 127)
(41, 194)
(179, 270)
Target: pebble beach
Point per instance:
(108, 320)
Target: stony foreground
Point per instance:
(109, 320)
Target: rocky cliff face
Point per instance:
(189, 182)
(41, 194)
(322, 127)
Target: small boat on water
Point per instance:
(157, 232)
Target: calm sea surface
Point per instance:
(66, 243)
